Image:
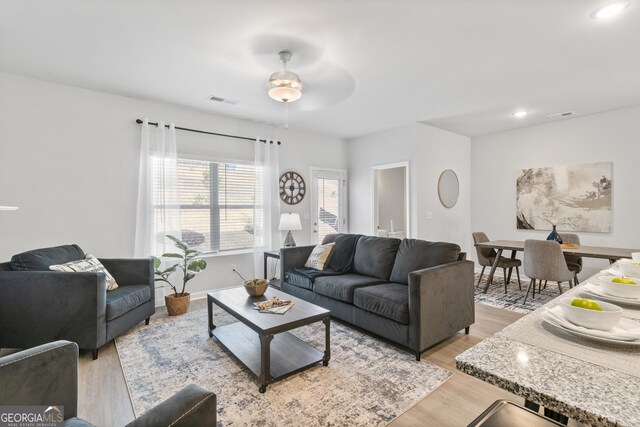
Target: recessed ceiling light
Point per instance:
(610, 10)
(520, 114)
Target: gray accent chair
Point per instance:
(544, 261)
(412, 292)
(39, 305)
(574, 262)
(47, 375)
(487, 256)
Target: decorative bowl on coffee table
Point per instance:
(256, 287)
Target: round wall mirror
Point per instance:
(448, 188)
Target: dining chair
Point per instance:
(544, 261)
(487, 256)
(574, 262)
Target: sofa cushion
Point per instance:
(90, 264)
(390, 300)
(416, 254)
(341, 287)
(41, 259)
(330, 238)
(375, 256)
(125, 299)
(298, 279)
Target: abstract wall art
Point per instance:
(574, 198)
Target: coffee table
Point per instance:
(260, 341)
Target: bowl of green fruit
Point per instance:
(620, 286)
(590, 313)
(256, 287)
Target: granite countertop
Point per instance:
(580, 390)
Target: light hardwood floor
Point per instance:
(104, 399)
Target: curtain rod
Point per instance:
(212, 133)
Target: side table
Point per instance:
(271, 254)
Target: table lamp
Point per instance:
(288, 222)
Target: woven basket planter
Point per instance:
(177, 305)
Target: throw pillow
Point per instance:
(319, 256)
(89, 264)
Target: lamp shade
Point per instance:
(290, 221)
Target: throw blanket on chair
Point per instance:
(341, 260)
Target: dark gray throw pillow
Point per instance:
(414, 254)
(41, 259)
(375, 256)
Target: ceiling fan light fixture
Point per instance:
(284, 85)
(610, 9)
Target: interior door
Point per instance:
(328, 200)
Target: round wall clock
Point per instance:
(292, 188)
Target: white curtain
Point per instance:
(158, 195)
(266, 213)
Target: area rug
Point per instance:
(368, 382)
(514, 297)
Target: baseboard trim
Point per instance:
(202, 294)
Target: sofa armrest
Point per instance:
(441, 302)
(46, 375)
(42, 306)
(130, 271)
(294, 257)
(192, 406)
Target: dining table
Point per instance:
(593, 382)
(515, 246)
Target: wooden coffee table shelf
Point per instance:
(260, 341)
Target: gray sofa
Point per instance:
(48, 375)
(412, 292)
(39, 305)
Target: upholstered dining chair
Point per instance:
(544, 261)
(487, 256)
(573, 262)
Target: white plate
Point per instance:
(588, 336)
(593, 290)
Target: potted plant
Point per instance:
(178, 302)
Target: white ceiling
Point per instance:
(367, 65)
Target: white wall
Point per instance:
(69, 160)
(439, 150)
(611, 136)
(429, 151)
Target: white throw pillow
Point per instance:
(88, 264)
(319, 256)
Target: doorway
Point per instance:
(391, 200)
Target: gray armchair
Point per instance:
(47, 375)
(40, 306)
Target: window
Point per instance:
(216, 205)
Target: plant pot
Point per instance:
(177, 304)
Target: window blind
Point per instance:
(216, 204)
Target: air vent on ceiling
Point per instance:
(561, 115)
(223, 100)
